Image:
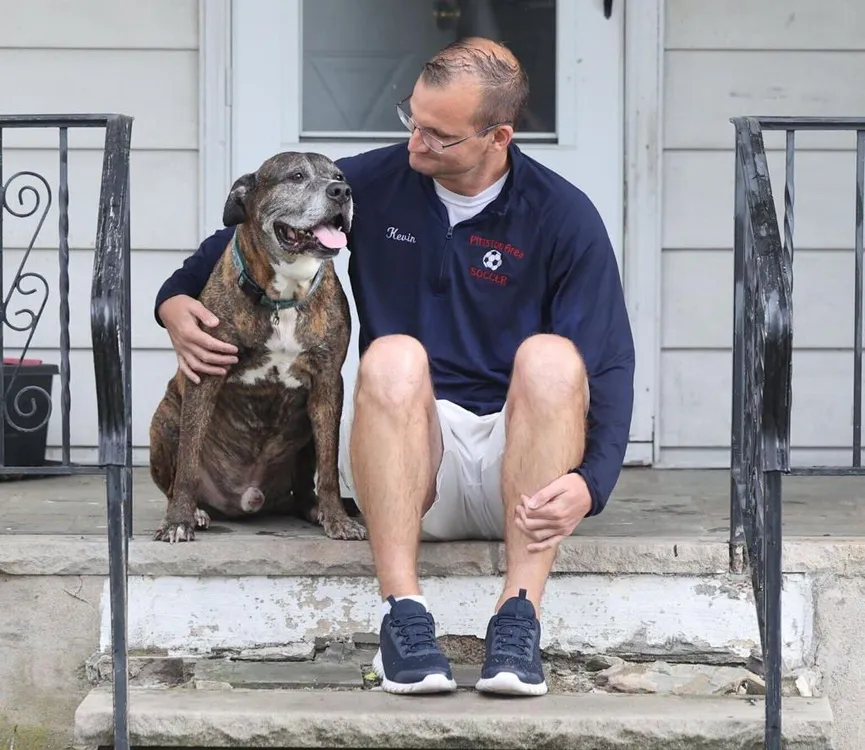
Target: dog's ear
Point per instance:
(235, 206)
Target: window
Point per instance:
(360, 58)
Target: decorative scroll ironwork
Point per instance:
(21, 285)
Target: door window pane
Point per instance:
(360, 57)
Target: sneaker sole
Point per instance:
(507, 683)
(436, 682)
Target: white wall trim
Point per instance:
(214, 112)
(262, 106)
(639, 454)
(644, 56)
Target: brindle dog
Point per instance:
(254, 438)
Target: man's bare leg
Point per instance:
(545, 438)
(396, 450)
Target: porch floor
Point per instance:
(647, 503)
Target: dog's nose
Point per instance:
(339, 191)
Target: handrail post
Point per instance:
(110, 324)
(737, 531)
(762, 346)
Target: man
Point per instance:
(489, 301)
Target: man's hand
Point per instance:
(197, 351)
(554, 512)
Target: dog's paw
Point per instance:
(175, 532)
(202, 519)
(342, 527)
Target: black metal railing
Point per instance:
(762, 372)
(26, 404)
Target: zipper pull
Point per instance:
(450, 232)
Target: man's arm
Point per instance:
(178, 310)
(191, 277)
(588, 307)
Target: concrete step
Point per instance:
(347, 666)
(666, 599)
(373, 719)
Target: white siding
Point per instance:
(780, 57)
(136, 58)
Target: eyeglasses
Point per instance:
(433, 143)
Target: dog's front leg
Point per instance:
(195, 412)
(325, 412)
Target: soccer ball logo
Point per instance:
(493, 259)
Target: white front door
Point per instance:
(325, 75)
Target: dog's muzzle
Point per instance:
(327, 236)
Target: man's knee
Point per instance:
(548, 366)
(394, 370)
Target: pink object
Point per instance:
(330, 237)
(24, 362)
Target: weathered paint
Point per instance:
(646, 614)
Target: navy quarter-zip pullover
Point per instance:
(537, 259)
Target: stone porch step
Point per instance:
(373, 719)
(672, 599)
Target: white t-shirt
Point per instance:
(462, 207)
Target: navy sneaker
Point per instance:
(408, 658)
(513, 651)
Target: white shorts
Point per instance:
(468, 502)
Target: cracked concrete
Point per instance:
(343, 665)
(48, 628)
(659, 527)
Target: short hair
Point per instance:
(503, 82)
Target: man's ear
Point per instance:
(502, 136)
(235, 205)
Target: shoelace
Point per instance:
(513, 635)
(416, 631)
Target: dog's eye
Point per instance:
(339, 177)
(297, 176)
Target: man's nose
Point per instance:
(416, 142)
(339, 191)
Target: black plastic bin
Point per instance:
(26, 446)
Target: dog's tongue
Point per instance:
(330, 237)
